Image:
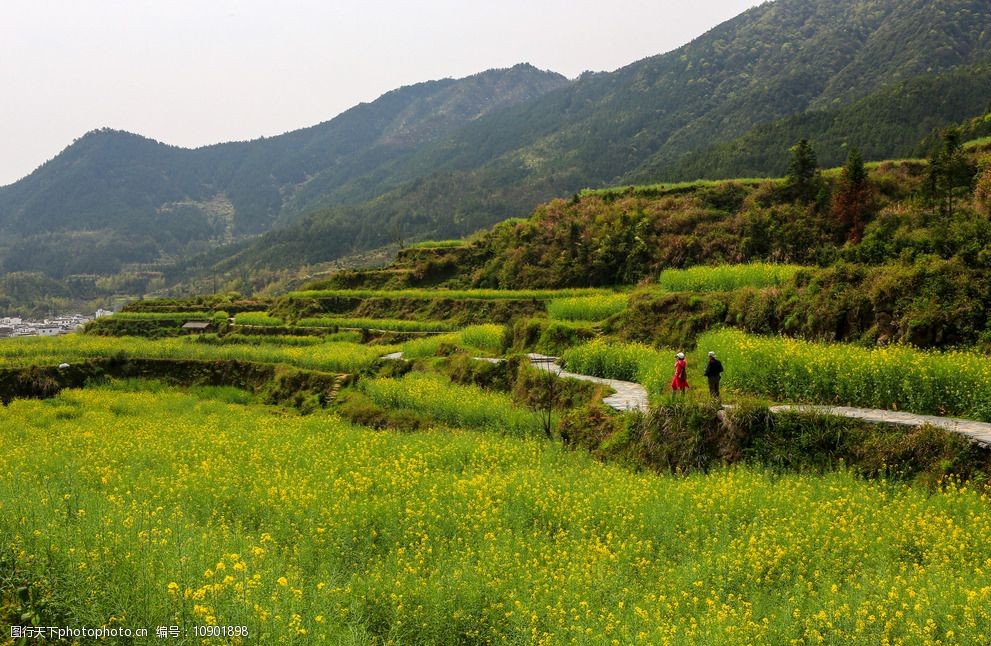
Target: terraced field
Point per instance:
(420, 500)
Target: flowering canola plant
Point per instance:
(485, 339)
(398, 325)
(137, 508)
(627, 362)
(724, 278)
(892, 377)
(460, 406)
(327, 356)
(587, 308)
(261, 319)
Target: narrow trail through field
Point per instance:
(633, 396)
(628, 395)
(979, 432)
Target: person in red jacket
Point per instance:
(680, 381)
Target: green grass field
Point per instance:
(136, 504)
(670, 187)
(279, 339)
(168, 508)
(976, 143)
(438, 244)
(674, 187)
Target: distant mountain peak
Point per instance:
(447, 157)
(112, 181)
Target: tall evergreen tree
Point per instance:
(804, 177)
(949, 171)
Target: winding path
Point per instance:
(628, 395)
(979, 432)
(633, 396)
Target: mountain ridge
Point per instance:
(379, 181)
(110, 179)
(777, 61)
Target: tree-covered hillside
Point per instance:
(885, 125)
(447, 158)
(776, 60)
(143, 201)
(894, 251)
(882, 71)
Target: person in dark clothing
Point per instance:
(713, 371)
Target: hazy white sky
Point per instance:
(196, 72)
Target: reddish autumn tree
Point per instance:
(855, 200)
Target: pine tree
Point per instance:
(804, 178)
(949, 171)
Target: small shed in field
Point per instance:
(195, 327)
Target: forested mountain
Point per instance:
(113, 197)
(839, 71)
(887, 124)
(446, 158)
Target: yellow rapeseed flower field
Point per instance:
(329, 356)
(891, 377)
(587, 308)
(726, 277)
(146, 509)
